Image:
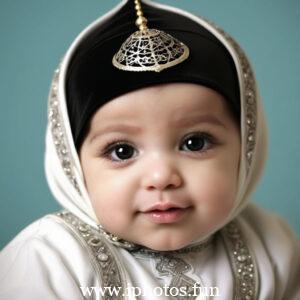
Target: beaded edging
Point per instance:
(143, 251)
(249, 94)
(108, 266)
(169, 264)
(58, 132)
(241, 261)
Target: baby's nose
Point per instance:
(161, 174)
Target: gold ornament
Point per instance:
(149, 49)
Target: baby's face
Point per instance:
(161, 164)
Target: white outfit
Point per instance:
(253, 255)
(49, 260)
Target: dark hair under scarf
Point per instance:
(92, 80)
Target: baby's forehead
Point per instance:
(176, 97)
(174, 103)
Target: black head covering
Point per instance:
(92, 80)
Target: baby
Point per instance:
(153, 148)
(162, 171)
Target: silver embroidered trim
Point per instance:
(177, 267)
(250, 95)
(242, 262)
(110, 272)
(116, 240)
(143, 251)
(169, 264)
(58, 132)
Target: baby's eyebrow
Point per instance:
(197, 119)
(177, 123)
(116, 128)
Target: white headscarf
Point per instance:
(63, 169)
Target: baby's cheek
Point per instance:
(110, 202)
(214, 196)
(109, 212)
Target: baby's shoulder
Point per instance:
(48, 253)
(276, 248)
(46, 232)
(269, 227)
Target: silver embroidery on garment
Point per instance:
(58, 132)
(177, 268)
(241, 261)
(170, 264)
(250, 98)
(144, 251)
(249, 94)
(110, 271)
(243, 265)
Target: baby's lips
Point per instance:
(165, 213)
(164, 206)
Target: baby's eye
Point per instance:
(197, 142)
(120, 151)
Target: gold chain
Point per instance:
(141, 21)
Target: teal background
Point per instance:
(34, 34)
